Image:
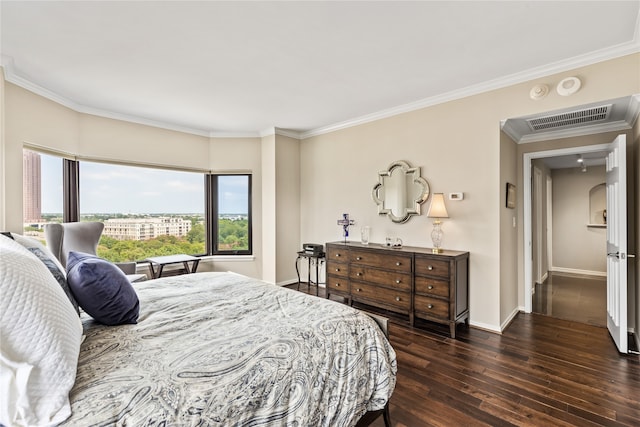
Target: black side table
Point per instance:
(316, 258)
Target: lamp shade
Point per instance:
(437, 208)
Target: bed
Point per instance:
(213, 349)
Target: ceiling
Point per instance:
(246, 68)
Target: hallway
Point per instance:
(578, 298)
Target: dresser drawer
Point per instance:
(434, 307)
(427, 285)
(370, 294)
(392, 279)
(432, 267)
(381, 260)
(337, 269)
(337, 284)
(337, 253)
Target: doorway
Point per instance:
(538, 229)
(571, 286)
(591, 122)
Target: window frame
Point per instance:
(212, 215)
(71, 200)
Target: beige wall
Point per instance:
(281, 213)
(288, 207)
(576, 247)
(110, 139)
(508, 233)
(458, 147)
(269, 209)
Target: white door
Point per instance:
(616, 169)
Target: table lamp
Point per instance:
(437, 210)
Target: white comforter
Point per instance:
(220, 349)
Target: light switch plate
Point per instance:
(456, 196)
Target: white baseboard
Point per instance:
(287, 282)
(509, 319)
(578, 272)
(486, 327)
(295, 281)
(540, 281)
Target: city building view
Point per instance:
(145, 228)
(31, 183)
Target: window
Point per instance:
(231, 214)
(146, 211)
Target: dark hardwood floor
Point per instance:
(571, 297)
(540, 372)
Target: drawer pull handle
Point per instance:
(337, 285)
(357, 289)
(430, 287)
(398, 299)
(430, 306)
(358, 274)
(430, 268)
(337, 255)
(398, 263)
(358, 258)
(398, 281)
(337, 269)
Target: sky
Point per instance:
(106, 188)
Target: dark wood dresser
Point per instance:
(410, 281)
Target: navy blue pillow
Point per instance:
(102, 289)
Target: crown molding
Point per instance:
(633, 111)
(507, 127)
(12, 77)
(143, 121)
(499, 83)
(268, 132)
(288, 133)
(217, 134)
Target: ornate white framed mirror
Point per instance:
(400, 191)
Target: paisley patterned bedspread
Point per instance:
(221, 349)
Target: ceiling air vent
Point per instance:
(571, 118)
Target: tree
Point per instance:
(196, 234)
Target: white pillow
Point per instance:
(51, 262)
(40, 341)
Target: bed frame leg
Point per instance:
(386, 415)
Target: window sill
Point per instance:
(229, 258)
